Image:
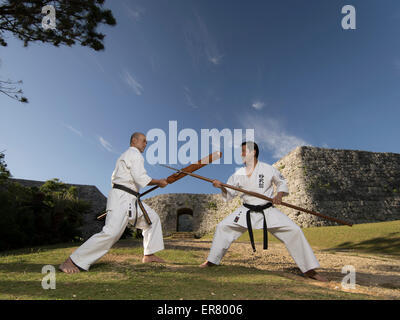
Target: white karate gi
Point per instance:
(280, 225)
(130, 172)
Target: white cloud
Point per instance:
(215, 59)
(71, 128)
(189, 99)
(93, 58)
(258, 105)
(132, 83)
(270, 134)
(200, 43)
(106, 145)
(135, 13)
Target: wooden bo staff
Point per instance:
(176, 176)
(261, 196)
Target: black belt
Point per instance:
(138, 201)
(259, 209)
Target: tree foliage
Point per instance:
(4, 172)
(31, 216)
(9, 88)
(76, 23)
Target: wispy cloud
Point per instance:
(258, 105)
(71, 128)
(97, 62)
(200, 43)
(214, 59)
(106, 145)
(136, 13)
(132, 83)
(153, 62)
(189, 99)
(270, 134)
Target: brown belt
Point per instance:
(137, 202)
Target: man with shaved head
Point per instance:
(123, 207)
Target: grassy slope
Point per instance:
(375, 238)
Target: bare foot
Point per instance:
(152, 258)
(207, 264)
(312, 274)
(68, 266)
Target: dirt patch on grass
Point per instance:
(376, 275)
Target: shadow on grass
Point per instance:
(384, 245)
(39, 249)
(22, 267)
(168, 244)
(367, 279)
(125, 243)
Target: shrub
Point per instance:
(31, 216)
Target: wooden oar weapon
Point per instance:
(261, 196)
(176, 176)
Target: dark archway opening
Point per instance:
(184, 220)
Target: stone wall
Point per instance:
(356, 186)
(207, 210)
(351, 185)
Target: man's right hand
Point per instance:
(217, 184)
(162, 183)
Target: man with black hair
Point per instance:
(257, 213)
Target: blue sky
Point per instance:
(286, 69)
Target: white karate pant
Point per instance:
(118, 204)
(278, 224)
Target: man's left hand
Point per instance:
(277, 199)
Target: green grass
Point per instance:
(121, 275)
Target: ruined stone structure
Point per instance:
(198, 213)
(356, 186)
